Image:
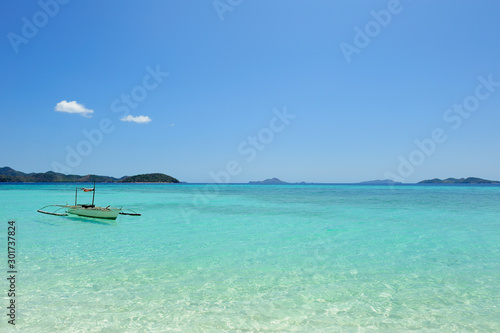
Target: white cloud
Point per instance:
(73, 107)
(138, 119)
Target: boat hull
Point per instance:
(95, 212)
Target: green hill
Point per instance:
(150, 178)
(469, 180)
(9, 175)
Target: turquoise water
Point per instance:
(314, 258)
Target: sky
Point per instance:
(234, 90)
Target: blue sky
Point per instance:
(233, 67)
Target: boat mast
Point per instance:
(76, 194)
(93, 194)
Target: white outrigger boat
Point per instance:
(110, 213)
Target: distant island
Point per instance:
(9, 175)
(380, 182)
(271, 181)
(275, 181)
(150, 178)
(469, 180)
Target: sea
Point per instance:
(254, 258)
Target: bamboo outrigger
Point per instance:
(110, 213)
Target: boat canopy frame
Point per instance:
(85, 190)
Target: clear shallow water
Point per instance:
(258, 258)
